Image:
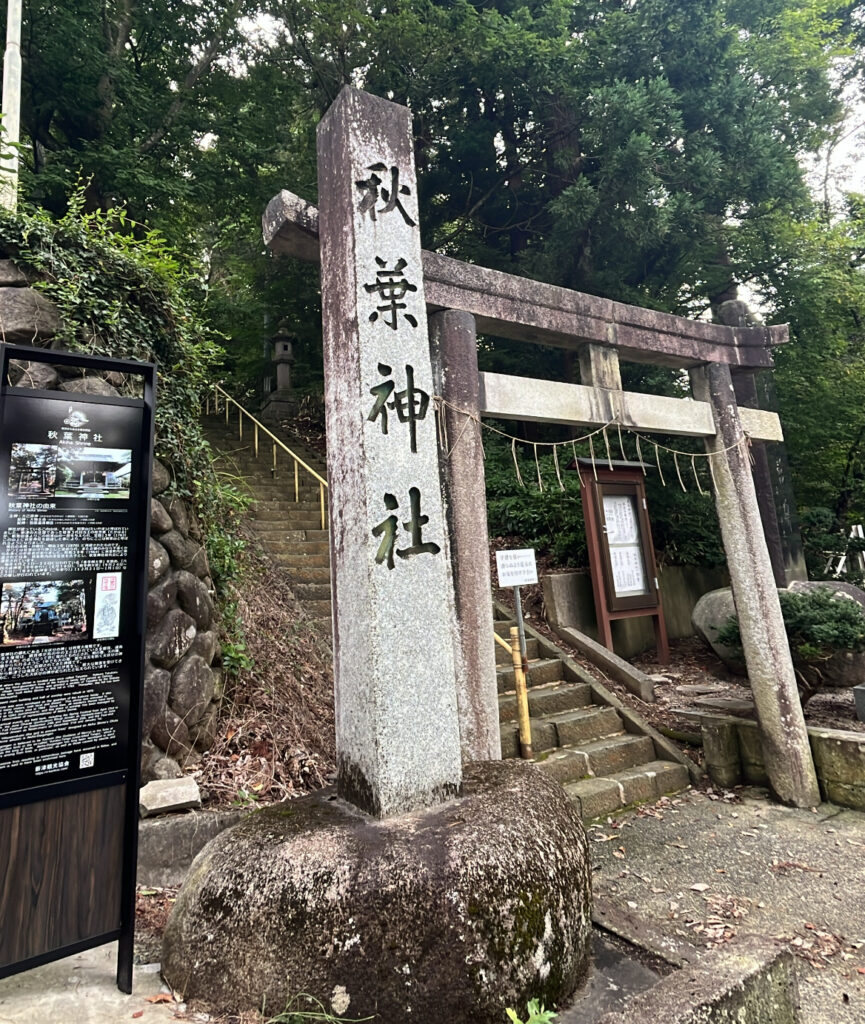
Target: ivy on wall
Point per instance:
(123, 292)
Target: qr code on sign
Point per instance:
(86, 760)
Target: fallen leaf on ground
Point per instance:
(699, 887)
(161, 997)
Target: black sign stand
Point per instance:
(74, 530)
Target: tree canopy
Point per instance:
(651, 151)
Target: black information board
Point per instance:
(74, 528)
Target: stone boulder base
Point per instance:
(449, 914)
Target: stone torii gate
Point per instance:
(460, 300)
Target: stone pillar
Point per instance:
(397, 729)
(789, 763)
(455, 366)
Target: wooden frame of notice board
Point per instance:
(75, 474)
(621, 554)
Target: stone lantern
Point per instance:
(279, 402)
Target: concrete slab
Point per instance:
(81, 989)
(711, 874)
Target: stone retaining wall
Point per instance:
(183, 677)
(734, 754)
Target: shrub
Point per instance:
(819, 624)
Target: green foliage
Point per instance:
(295, 1014)
(551, 519)
(536, 1014)
(818, 625)
(131, 297)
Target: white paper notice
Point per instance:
(106, 609)
(621, 519)
(623, 537)
(517, 568)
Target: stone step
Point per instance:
(542, 670)
(582, 726)
(641, 784)
(301, 550)
(313, 536)
(277, 520)
(600, 757)
(317, 575)
(292, 560)
(318, 609)
(504, 658)
(547, 699)
(503, 627)
(323, 625)
(306, 592)
(295, 521)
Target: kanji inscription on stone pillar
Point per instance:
(397, 729)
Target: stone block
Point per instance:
(192, 688)
(199, 565)
(178, 510)
(845, 795)
(561, 599)
(160, 600)
(158, 562)
(203, 735)
(156, 686)
(596, 797)
(193, 598)
(180, 549)
(670, 777)
(12, 276)
(167, 845)
(89, 386)
(170, 734)
(859, 696)
(839, 756)
(165, 768)
(27, 317)
(751, 750)
(27, 374)
(564, 765)
(163, 796)
(721, 750)
(160, 478)
(171, 639)
(160, 520)
(585, 726)
(639, 786)
(206, 646)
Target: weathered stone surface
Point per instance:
(160, 520)
(206, 646)
(180, 549)
(11, 276)
(179, 512)
(158, 562)
(89, 386)
(397, 723)
(527, 310)
(448, 914)
(161, 478)
(203, 735)
(26, 317)
(195, 528)
(167, 845)
(171, 639)
(710, 614)
(192, 688)
(165, 768)
(193, 598)
(28, 374)
(165, 795)
(171, 735)
(160, 599)
(199, 566)
(156, 686)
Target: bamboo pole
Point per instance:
(520, 668)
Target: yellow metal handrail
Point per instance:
(520, 669)
(228, 401)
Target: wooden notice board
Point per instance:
(621, 553)
(74, 529)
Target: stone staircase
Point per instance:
(289, 531)
(603, 753)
